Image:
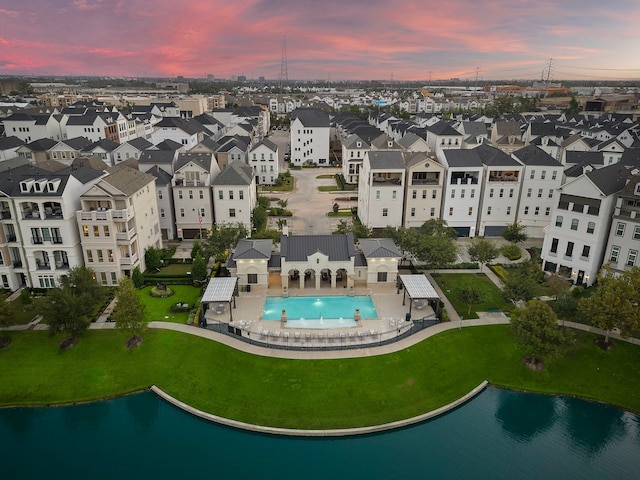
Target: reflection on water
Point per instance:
(497, 435)
(524, 417)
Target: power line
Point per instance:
(284, 72)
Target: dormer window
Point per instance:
(637, 190)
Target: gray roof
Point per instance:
(162, 177)
(532, 155)
(236, 173)
(593, 158)
(7, 143)
(169, 144)
(462, 158)
(443, 128)
(190, 127)
(409, 139)
(10, 182)
(381, 159)
(105, 144)
(297, 248)
(163, 157)
(202, 159)
(474, 128)
(492, 156)
(311, 117)
(140, 143)
(41, 145)
(379, 248)
(267, 143)
(128, 180)
(609, 179)
(77, 143)
(248, 249)
(352, 141)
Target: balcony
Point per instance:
(181, 182)
(56, 240)
(17, 264)
(40, 265)
(126, 236)
(62, 265)
(5, 215)
(391, 181)
(105, 215)
(464, 181)
(129, 260)
(37, 240)
(31, 214)
(12, 238)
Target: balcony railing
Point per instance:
(105, 215)
(40, 265)
(53, 216)
(62, 265)
(56, 240)
(126, 236)
(37, 240)
(12, 238)
(129, 260)
(31, 214)
(17, 264)
(5, 215)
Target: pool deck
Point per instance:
(391, 321)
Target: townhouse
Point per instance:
(235, 195)
(117, 222)
(424, 187)
(309, 137)
(263, 159)
(354, 149)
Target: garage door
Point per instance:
(493, 231)
(462, 231)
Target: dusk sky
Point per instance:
(325, 39)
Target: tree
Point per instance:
(406, 239)
(436, 227)
(196, 249)
(335, 207)
(153, 258)
(614, 304)
(199, 269)
(574, 106)
(535, 326)
(519, 286)
(283, 203)
(556, 285)
(515, 233)
(259, 218)
(482, 251)
(219, 239)
(437, 251)
(137, 277)
(69, 308)
(129, 312)
(357, 228)
(470, 296)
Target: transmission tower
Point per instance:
(284, 74)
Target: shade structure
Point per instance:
(418, 287)
(220, 289)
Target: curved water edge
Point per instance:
(342, 432)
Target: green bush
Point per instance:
(500, 272)
(511, 251)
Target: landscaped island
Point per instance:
(309, 394)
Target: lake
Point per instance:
(500, 434)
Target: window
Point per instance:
(182, 212)
(554, 245)
(180, 194)
(473, 192)
(232, 212)
(414, 194)
(377, 194)
(509, 210)
(539, 193)
(96, 230)
(620, 229)
(536, 211)
(591, 226)
(201, 194)
(90, 256)
(488, 210)
(547, 211)
(631, 258)
(160, 194)
(230, 194)
(413, 212)
(202, 212)
(615, 253)
(100, 256)
(543, 174)
(569, 250)
(241, 195)
(110, 255)
(491, 193)
(585, 251)
(252, 278)
(382, 276)
(462, 193)
(511, 193)
(501, 193)
(434, 194)
(533, 174)
(106, 231)
(220, 195)
(559, 221)
(470, 210)
(574, 223)
(551, 193)
(450, 211)
(526, 210)
(636, 233)
(453, 194)
(190, 194)
(554, 175)
(528, 192)
(114, 278)
(433, 212)
(385, 212)
(162, 213)
(393, 195)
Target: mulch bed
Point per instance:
(533, 363)
(67, 343)
(604, 344)
(133, 342)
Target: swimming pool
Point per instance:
(319, 309)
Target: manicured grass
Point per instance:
(307, 393)
(159, 309)
(341, 213)
(452, 283)
(18, 313)
(326, 175)
(175, 269)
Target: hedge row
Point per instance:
(500, 271)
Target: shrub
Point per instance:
(511, 251)
(500, 272)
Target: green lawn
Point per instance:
(20, 314)
(306, 393)
(159, 309)
(175, 269)
(452, 283)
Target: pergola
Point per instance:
(220, 290)
(419, 289)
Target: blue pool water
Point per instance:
(497, 435)
(319, 307)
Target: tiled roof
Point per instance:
(297, 248)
